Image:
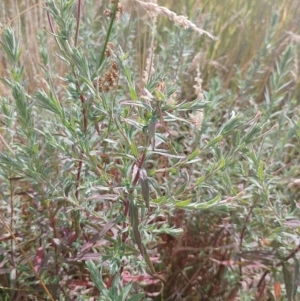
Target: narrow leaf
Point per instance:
(137, 297)
(260, 171)
(134, 149)
(205, 205)
(145, 186)
(183, 203)
(167, 154)
(96, 276)
(200, 181)
(134, 218)
(222, 163)
(194, 154)
(288, 281)
(214, 141)
(296, 277)
(181, 189)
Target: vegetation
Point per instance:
(152, 156)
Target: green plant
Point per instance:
(81, 166)
(119, 182)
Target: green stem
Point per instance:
(108, 33)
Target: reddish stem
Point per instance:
(291, 255)
(140, 163)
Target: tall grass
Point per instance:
(142, 159)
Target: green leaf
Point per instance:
(161, 201)
(48, 102)
(222, 163)
(135, 104)
(134, 149)
(137, 297)
(151, 172)
(205, 205)
(175, 232)
(194, 154)
(81, 63)
(200, 181)
(260, 171)
(96, 276)
(288, 281)
(214, 200)
(125, 291)
(133, 94)
(213, 142)
(10, 45)
(231, 124)
(183, 203)
(160, 96)
(23, 108)
(172, 117)
(145, 186)
(296, 276)
(166, 154)
(251, 135)
(180, 189)
(134, 219)
(132, 91)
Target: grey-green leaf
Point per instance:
(145, 186)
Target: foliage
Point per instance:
(121, 179)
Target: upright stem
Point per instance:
(113, 16)
(77, 23)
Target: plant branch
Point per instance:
(288, 257)
(77, 22)
(113, 16)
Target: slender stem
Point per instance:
(78, 176)
(78, 22)
(126, 212)
(6, 144)
(82, 99)
(127, 29)
(85, 122)
(108, 33)
(52, 29)
(50, 21)
(12, 223)
(126, 202)
(126, 209)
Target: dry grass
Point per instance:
(27, 18)
(177, 19)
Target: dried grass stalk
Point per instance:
(149, 70)
(180, 20)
